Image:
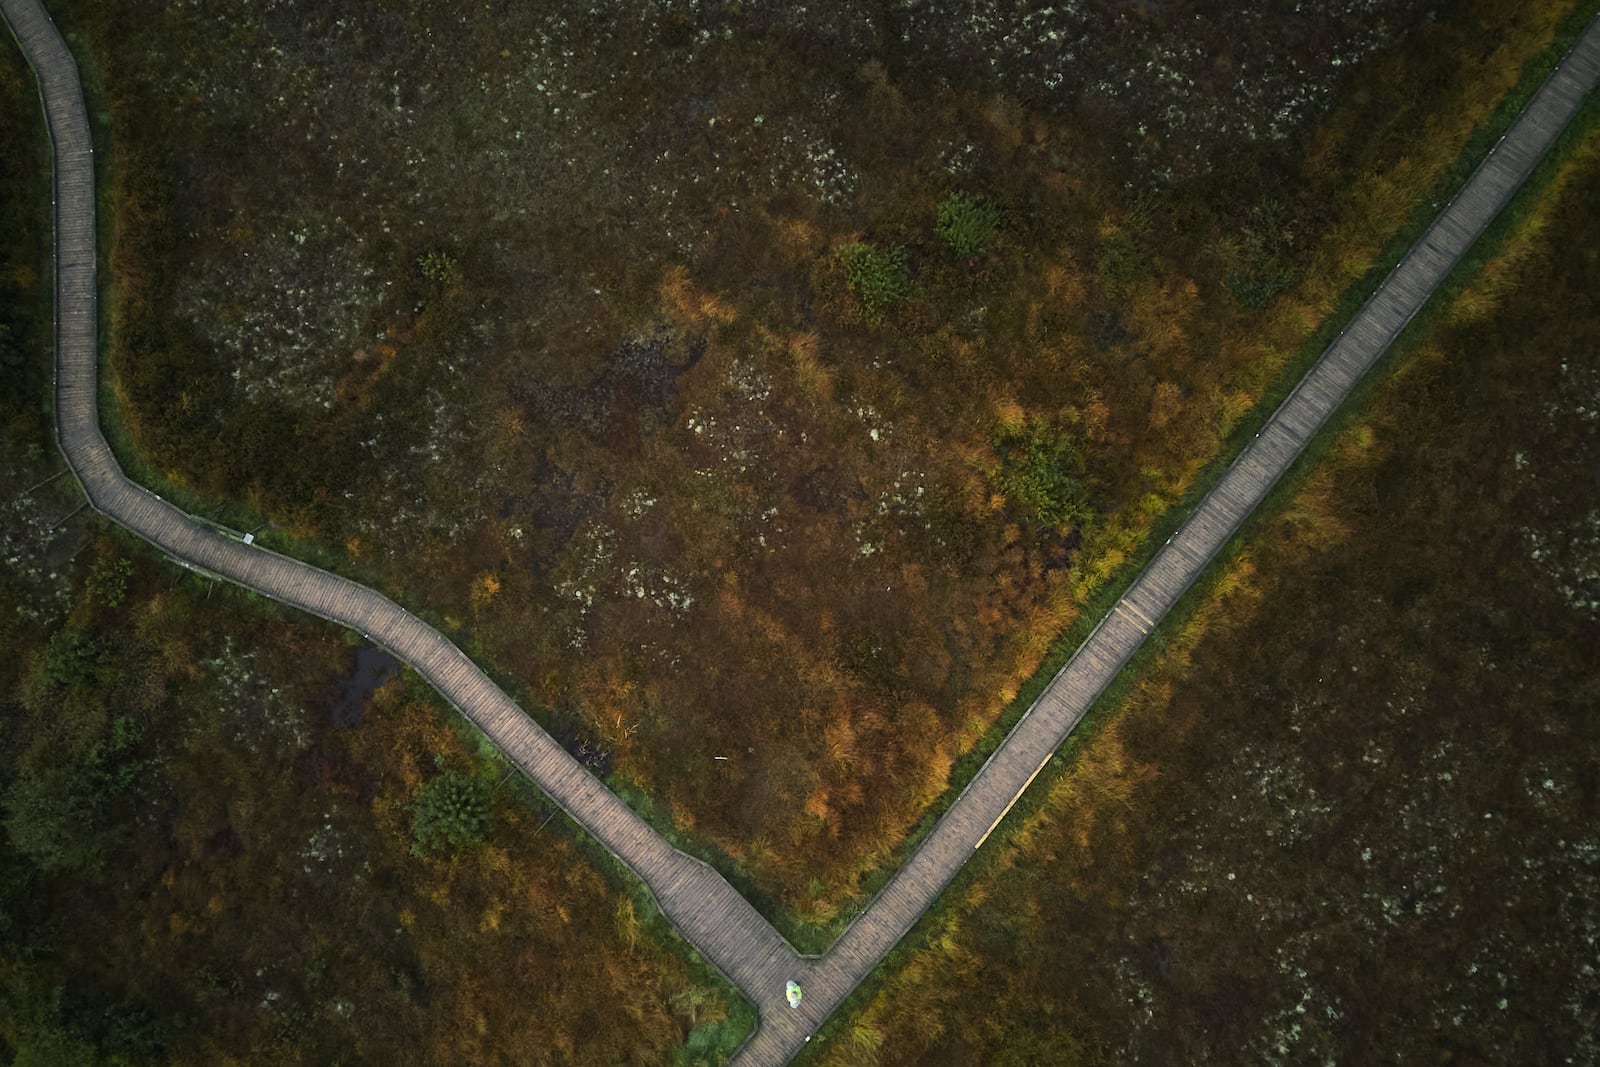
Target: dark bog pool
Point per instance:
(373, 667)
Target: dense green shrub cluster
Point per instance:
(453, 809)
(1042, 470)
(966, 224)
(878, 276)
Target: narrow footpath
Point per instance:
(699, 902)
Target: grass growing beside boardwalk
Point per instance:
(1393, 655)
(728, 1017)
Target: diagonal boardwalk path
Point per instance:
(720, 923)
(1176, 567)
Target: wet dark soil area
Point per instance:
(373, 667)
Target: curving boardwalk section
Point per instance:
(714, 917)
(700, 903)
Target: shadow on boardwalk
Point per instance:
(709, 913)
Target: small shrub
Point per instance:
(878, 276)
(1255, 289)
(1042, 471)
(1122, 261)
(1257, 272)
(108, 581)
(967, 224)
(452, 809)
(111, 766)
(440, 267)
(71, 655)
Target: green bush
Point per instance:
(108, 581)
(440, 267)
(1042, 471)
(453, 809)
(1257, 272)
(1122, 261)
(967, 224)
(1255, 288)
(878, 276)
(111, 766)
(71, 656)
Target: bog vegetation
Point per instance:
(967, 225)
(197, 866)
(1349, 814)
(201, 867)
(452, 810)
(748, 381)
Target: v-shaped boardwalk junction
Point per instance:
(709, 913)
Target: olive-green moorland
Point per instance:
(210, 850)
(764, 381)
(778, 382)
(1348, 812)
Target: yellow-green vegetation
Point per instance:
(584, 327)
(1348, 814)
(877, 276)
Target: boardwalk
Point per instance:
(720, 923)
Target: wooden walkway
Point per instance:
(709, 913)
